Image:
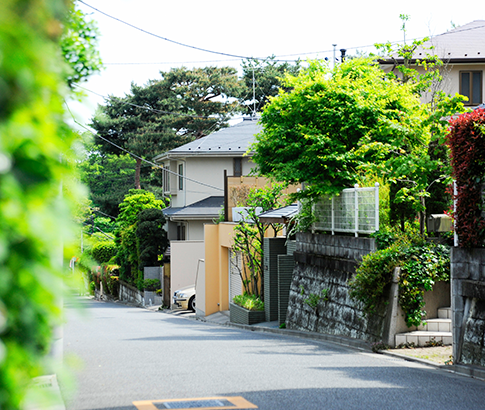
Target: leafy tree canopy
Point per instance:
(126, 240)
(35, 219)
(331, 124)
(79, 46)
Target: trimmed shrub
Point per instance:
(467, 144)
(102, 252)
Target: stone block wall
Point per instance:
(131, 294)
(468, 305)
(328, 262)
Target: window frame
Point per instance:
(469, 92)
(180, 172)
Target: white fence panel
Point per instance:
(355, 210)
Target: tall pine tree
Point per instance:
(164, 114)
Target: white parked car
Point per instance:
(185, 298)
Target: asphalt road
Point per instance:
(124, 357)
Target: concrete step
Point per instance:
(444, 313)
(419, 337)
(436, 325)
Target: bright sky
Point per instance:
(286, 29)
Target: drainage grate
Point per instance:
(195, 404)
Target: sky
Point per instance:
(286, 29)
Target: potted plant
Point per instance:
(247, 310)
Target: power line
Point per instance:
(102, 213)
(163, 38)
(143, 159)
(235, 56)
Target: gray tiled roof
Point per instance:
(460, 45)
(232, 141)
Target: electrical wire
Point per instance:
(238, 57)
(235, 56)
(142, 159)
(163, 38)
(102, 213)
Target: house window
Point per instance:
(181, 232)
(237, 167)
(166, 178)
(181, 177)
(471, 86)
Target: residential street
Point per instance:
(131, 358)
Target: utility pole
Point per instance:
(254, 96)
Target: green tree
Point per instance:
(79, 46)
(125, 237)
(152, 119)
(151, 236)
(109, 177)
(35, 148)
(333, 123)
(249, 234)
(262, 80)
(336, 125)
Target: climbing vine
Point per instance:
(422, 265)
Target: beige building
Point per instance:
(194, 177)
(462, 51)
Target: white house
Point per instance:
(194, 177)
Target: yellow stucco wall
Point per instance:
(218, 240)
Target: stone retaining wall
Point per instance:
(130, 294)
(328, 262)
(468, 305)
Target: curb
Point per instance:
(464, 370)
(44, 393)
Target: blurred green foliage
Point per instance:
(35, 146)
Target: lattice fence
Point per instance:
(355, 210)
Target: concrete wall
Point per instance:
(184, 260)
(468, 305)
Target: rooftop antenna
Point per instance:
(334, 50)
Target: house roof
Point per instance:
(207, 208)
(464, 44)
(232, 141)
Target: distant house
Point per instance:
(194, 177)
(462, 51)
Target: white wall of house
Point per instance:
(184, 259)
(208, 170)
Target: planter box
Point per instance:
(245, 317)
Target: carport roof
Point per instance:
(280, 215)
(207, 208)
